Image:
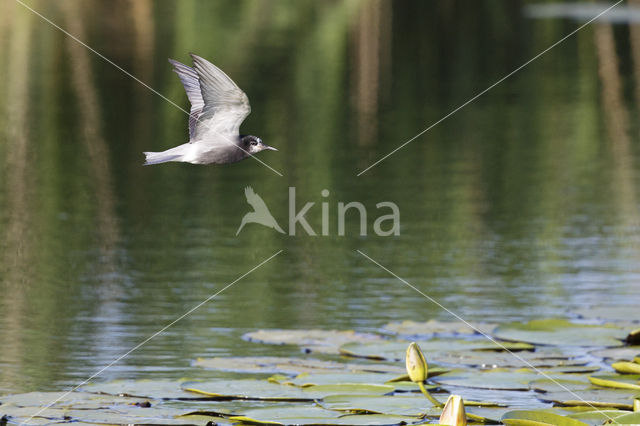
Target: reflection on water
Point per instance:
(522, 204)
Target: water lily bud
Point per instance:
(453, 413)
(416, 364)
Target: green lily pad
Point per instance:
(116, 414)
(156, 389)
(42, 399)
(305, 380)
(580, 392)
(291, 366)
(432, 327)
(626, 381)
(513, 380)
(597, 417)
(616, 313)
(322, 391)
(542, 358)
(404, 405)
(395, 350)
(247, 389)
(315, 416)
(538, 418)
(407, 386)
(561, 332)
(320, 341)
(617, 354)
(626, 419)
(626, 367)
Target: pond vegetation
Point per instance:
(544, 372)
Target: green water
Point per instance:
(523, 204)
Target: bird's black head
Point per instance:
(253, 144)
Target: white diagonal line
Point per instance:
(491, 87)
(494, 341)
(162, 330)
(44, 18)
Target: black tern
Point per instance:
(218, 107)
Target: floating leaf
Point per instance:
(561, 332)
(406, 386)
(292, 366)
(157, 389)
(538, 418)
(627, 381)
(513, 380)
(247, 389)
(597, 417)
(626, 419)
(431, 327)
(395, 351)
(405, 405)
(626, 367)
(581, 392)
(617, 354)
(305, 380)
(321, 341)
(609, 313)
(321, 391)
(109, 412)
(316, 416)
(545, 357)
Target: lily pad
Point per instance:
(623, 313)
(626, 419)
(156, 389)
(544, 357)
(322, 391)
(116, 414)
(320, 341)
(291, 366)
(580, 392)
(538, 418)
(502, 379)
(246, 389)
(404, 405)
(622, 381)
(315, 416)
(617, 354)
(561, 332)
(626, 367)
(407, 386)
(395, 350)
(597, 417)
(435, 327)
(306, 380)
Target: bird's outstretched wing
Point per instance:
(225, 105)
(191, 84)
(255, 200)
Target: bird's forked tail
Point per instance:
(160, 157)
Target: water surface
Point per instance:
(523, 204)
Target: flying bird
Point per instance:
(260, 213)
(218, 107)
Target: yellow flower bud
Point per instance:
(416, 364)
(453, 413)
